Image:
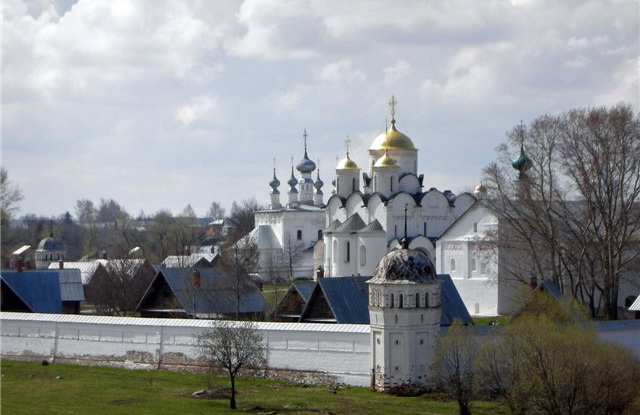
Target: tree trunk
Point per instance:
(232, 398)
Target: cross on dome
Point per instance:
(393, 104)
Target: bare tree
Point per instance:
(453, 365)
(216, 211)
(241, 217)
(571, 213)
(10, 196)
(232, 346)
(240, 260)
(108, 210)
(85, 211)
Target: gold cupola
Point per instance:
(392, 139)
(346, 163)
(386, 161)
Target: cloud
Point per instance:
(204, 108)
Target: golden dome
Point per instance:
(347, 164)
(480, 190)
(386, 161)
(392, 140)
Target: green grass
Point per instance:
(30, 388)
(486, 321)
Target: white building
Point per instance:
(364, 221)
(286, 233)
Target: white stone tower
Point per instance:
(404, 308)
(347, 174)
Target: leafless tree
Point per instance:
(240, 261)
(232, 346)
(216, 211)
(571, 213)
(241, 217)
(10, 196)
(453, 365)
(85, 211)
(108, 210)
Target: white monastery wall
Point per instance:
(299, 351)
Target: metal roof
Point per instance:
(453, 307)
(87, 268)
(373, 226)
(348, 298)
(354, 223)
(38, 290)
(187, 261)
(177, 322)
(304, 288)
(22, 249)
(70, 281)
(636, 305)
(264, 237)
(215, 294)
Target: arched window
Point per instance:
(424, 226)
(299, 235)
(426, 300)
(347, 251)
(417, 300)
(400, 298)
(391, 184)
(337, 185)
(453, 265)
(319, 234)
(363, 255)
(353, 185)
(335, 251)
(391, 300)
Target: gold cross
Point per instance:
(347, 141)
(393, 104)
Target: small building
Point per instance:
(199, 293)
(42, 291)
(49, 250)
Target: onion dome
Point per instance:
(292, 182)
(306, 165)
(347, 164)
(274, 183)
(404, 266)
(386, 161)
(50, 244)
(318, 183)
(392, 140)
(522, 163)
(480, 190)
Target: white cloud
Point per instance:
(341, 71)
(204, 108)
(398, 72)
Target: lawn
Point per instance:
(30, 388)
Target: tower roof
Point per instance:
(392, 140)
(404, 266)
(386, 161)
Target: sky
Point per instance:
(159, 104)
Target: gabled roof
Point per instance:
(187, 261)
(373, 227)
(453, 307)
(264, 237)
(348, 299)
(38, 290)
(69, 280)
(636, 305)
(544, 286)
(354, 223)
(333, 226)
(87, 268)
(304, 288)
(214, 296)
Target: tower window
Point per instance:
(347, 251)
(426, 300)
(391, 184)
(363, 256)
(424, 226)
(353, 185)
(319, 234)
(417, 300)
(453, 265)
(475, 227)
(299, 235)
(400, 298)
(391, 300)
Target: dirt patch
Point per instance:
(212, 393)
